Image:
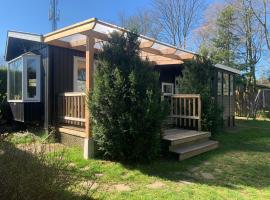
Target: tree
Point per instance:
(226, 41)
(143, 21)
(125, 105)
(177, 18)
(260, 10)
(250, 34)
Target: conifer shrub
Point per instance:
(125, 104)
(197, 79)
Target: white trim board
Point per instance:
(25, 36)
(226, 68)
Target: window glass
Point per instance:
(31, 66)
(167, 88)
(231, 85)
(81, 78)
(225, 84)
(219, 84)
(15, 79)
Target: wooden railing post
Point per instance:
(199, 114)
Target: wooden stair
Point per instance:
(188, 143)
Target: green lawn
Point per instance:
(238, 169)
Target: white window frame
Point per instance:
(167, 84)
(25, 89)
(25, 98)
(75, 71)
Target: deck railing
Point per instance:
(71, 108)
(186, 110)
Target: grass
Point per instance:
(240, 169)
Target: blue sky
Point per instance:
(32, 15)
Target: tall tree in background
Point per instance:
(226, 41)
(251, 34)
(142, 21)
(260, 10)
(177, 19)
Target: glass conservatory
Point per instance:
(24, 79)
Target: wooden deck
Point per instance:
(188, 143)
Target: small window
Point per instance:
(219, 84)
(231, 85)
(167, 89)
(225, 84)
(24, 79)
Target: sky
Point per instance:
(32, 15)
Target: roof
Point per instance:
(226, 68)
(20, 40)
(75, 36)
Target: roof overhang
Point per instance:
(229, 69)
(13, 35)
(75, 37)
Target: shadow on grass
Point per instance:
(26, 176)
(243, 159)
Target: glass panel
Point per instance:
(15, 79)
(31, 66)
(177, 84)
(81, 75)
(167, 88)
(219, 84)
(231, 85)
(226, 84)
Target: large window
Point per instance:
(219, 84)
(225, 84)
(24, 78)
(231, 85)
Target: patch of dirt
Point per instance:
(120, 188)
(218, 171)
(99, 175)
(206, 163)
(89, 184)
(207, 176)
(86, 168)
(193, 169)
(185, 182)
(156, 185)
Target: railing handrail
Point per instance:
(72, 94)
(186, 96)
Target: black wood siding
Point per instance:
(60, 76)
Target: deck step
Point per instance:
(195, 149)
(180, 136)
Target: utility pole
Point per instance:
(54, 14)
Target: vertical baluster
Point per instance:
(185, 112)
(180, 111)
(194, 112)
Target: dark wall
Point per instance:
(61, 76)
(168, 72)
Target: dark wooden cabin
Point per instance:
(49, 75)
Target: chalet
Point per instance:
(48, 76)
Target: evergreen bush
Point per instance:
(197, 79)
(125, 105)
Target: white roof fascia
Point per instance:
(226, 68)
(25, 36)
